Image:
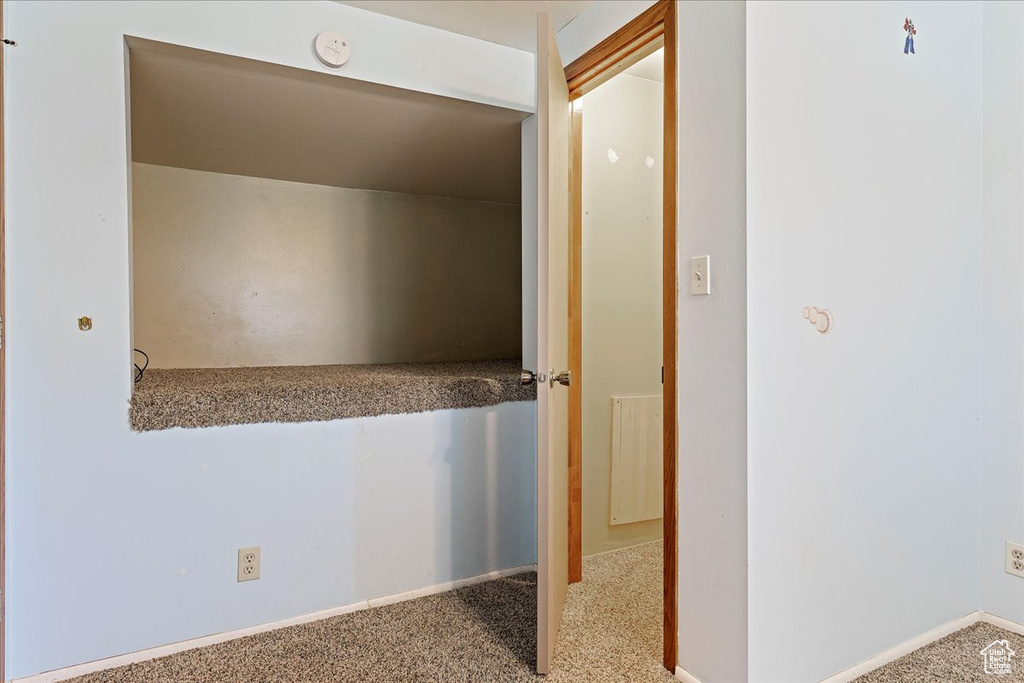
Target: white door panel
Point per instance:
(552, 340)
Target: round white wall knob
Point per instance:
(332, 49)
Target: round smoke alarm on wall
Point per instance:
(332, 49)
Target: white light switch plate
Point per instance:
(700, 275)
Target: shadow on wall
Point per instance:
(476, 477)
(493, 514)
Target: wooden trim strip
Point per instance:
(576, 347)
(669, 328)
(586, 72)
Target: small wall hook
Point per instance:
(821, 318)
(8, 41)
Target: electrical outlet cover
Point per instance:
(1015, 559)
(249, 563)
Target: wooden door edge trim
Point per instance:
(576, 347)
(584, 73)
(619, 59)
(670, 337)
(616, 47)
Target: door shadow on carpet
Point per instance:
(507, 609)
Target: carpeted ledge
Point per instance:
(228, 396)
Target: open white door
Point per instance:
(552, 341)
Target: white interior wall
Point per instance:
(712, 355)
(236, 271)
(621, 275)
(1002, 308)
(864, 197)
(152, 521)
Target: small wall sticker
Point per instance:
(821, 318)
(908, 46)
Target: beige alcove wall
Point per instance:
(238, 271)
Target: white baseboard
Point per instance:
(685, 676)
(901, 649)
(164, 650)
(1005, 624)
(905, 648)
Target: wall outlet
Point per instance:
(1015, 559)
(249, 563)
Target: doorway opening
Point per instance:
(619, 251)
(622, 313)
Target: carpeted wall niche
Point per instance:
(270, 287)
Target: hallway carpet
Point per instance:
(957, 657)
(612, 623)
(611, 632)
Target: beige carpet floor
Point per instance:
(955, 658)
(612, 623)
(611, 633)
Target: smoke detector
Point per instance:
(332, 49)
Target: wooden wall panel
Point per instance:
(636, 459)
